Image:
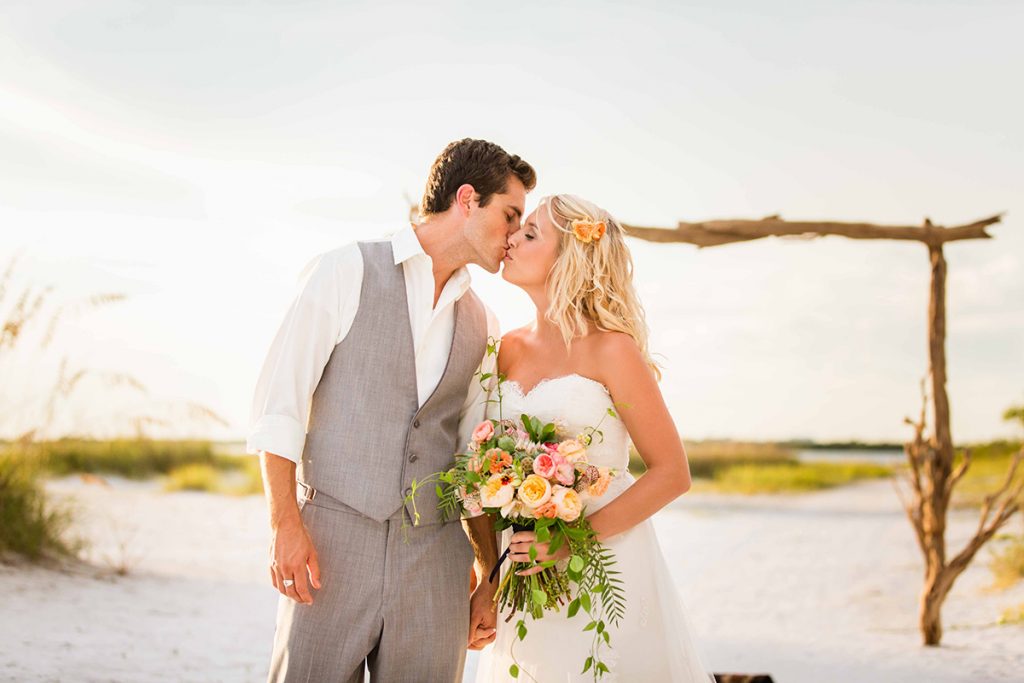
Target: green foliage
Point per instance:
(990, 463)
(1012, 615)
(794, 477)
(132, 458)
(1007, 562)
(195, 477)
(707, 458)
(30, 525)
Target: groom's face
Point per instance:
(489, 228)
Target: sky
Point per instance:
(195, 156)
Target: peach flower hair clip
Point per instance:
(587, 230)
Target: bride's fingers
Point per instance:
(525, 547)
(542, 556)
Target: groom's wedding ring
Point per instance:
(288, 583)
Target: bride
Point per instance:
(587, 352)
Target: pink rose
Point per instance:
(483, 431)
(565, 472)
(544, 465)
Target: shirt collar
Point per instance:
(405, 245)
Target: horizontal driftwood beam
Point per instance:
(727, 231)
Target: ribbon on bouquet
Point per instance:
(515, 528)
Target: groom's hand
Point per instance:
(483, 616)
(291, 555)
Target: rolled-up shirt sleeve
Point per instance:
(317, 319)
(474, 410)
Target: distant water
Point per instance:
(882, 457)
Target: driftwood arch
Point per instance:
(931, 475)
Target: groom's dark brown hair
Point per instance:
(482, 164)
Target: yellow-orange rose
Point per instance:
(583, 230)
(536, 490)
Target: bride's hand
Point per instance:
(520, 551)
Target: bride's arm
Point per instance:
(641, 407)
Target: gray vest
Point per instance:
(368, 437)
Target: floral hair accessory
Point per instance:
(587, 231)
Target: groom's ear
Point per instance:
(464, 198)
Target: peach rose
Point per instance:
(548, 510)
(572, 450)
(601, 485)
(483, 431)
(535, 491)
(567, 503)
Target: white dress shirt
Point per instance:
(320, 317)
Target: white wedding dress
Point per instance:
(653, 642)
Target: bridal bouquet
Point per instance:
(530, 476)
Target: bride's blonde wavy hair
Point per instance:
(592, 281)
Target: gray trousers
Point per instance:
(396, 601)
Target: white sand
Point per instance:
(811, 588)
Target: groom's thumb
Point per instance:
(314, 570)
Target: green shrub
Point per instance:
(30, 525)
(195, 477)
(133, 458)
(1007, 563)
(788, 477)
(989, 464)
(709, 457)
(232, 474)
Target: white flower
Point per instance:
(494, 493)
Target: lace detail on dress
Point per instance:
(546, 380)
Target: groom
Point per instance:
(368, 385)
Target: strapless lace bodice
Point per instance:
(574, 402)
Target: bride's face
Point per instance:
(532, 251)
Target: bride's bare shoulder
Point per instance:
(511, 347)
(614, 355)
(607, 343)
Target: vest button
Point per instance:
(413, 457)
(416, 423)
(408, 491)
